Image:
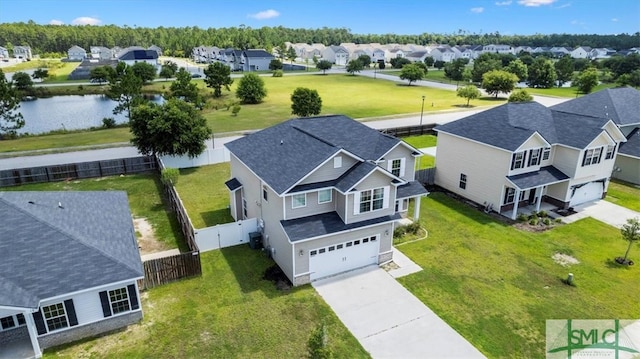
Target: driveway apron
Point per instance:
(388, 320)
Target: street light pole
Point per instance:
(422, 110)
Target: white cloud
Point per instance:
(267, 14)
(614, 19)
(477, 10)
(86, 20)
(536, 3)
(504, 3)
(56, 22)
(563, 6)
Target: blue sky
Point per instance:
(408, 17)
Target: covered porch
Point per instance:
(18, 336)
(529, 190)
(412, 190)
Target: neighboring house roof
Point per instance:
(326, 223)
(544, 176)
(621, 105)
(55, 243)
(139, 55)
(410, 190)
(509, 125)
(76, 48)
(257, 53)
(283, 154)
(418, 54)
(632, 146)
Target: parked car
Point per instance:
(196, 76)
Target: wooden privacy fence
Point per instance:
(53, 173)
(426, 176)
(170, 269)
(410, 130)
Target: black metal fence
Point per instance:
(70, 171)
(410, 130)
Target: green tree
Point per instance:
(291, 54)
(632, 79)
(497, 81)
(22, 81)
(184, 89)
(365, 60)
(631, 233)
(251, 89)
(586, 80)
(126, 91)
(171, 66)
(564, 70)
(11, 119)
(169, 69)
(317, 345)
(454, 70)
(144, 71)
(439, 64)
(469, 92)
(305, 102)
(484, 63)
(324, 65)
(40, 74)
(429, 61)
(518, 68)
(411, 73)
(399, 62)
(542, 73)
(275, 64)
(175, 128)
(100, 74)
(354, 66)
(520, 96)
(217, 76)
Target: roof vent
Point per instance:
(31, 202)
(281, 142)
(60, 205)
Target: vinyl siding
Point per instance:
(629, 169)
(251, 188)
(559, 191)
(340, 209)
(375, 180)
(312, 206)
(326, 172)
(566, 159)
(597, 171)
(410, 162)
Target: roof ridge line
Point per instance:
(314, 136)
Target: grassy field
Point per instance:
(230, 312)
(624, 194)
(146, 200)
(564, 91)
(69, 139)
(205, 208)
(433, 74)
(59, 71)
(421, 141)
(497, 285)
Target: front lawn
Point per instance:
(230, 312)
(146, 200)
(564, 91)
(204, 194)
(497, 285)
(422, 141)
(89, 138)
(624, 194)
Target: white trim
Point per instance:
(19, 309)
(250, 170)
(335, 233)
(376, 168)
(73, 294)
(293, 206)
(474, 141)
(618, 153)
(330, 196)
(403, 143)
(519, 149)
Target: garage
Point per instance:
(587, 192)
(342, 257)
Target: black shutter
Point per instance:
(106, 306)
(133, 297)
(71, 312)
(37, 318)
(584, 159)
(513, 160)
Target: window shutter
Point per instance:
(133, 297)
(356, 203)
(513, 161)
(106, 306)
(385, 198)
(584, 158)
(600, 155)
(390, 165)
(402, 166)
(40, 327)
(71, 312)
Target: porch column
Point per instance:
(516, 201)
(416, 209)
(33, 334)
(539, 199)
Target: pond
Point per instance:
(69, 113)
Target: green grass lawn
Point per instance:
(497, 285)
(230, 312)
(426, 161)
(59, 71)
(205, 208)
(422, 141)
(433, 74)
(146, 200)
(564, 91)
(624, 194)
(68, 139)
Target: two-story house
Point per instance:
(327, 192)
(22, 52)
(338, 55)
(256, 60)
(522, 154)
(76, 53)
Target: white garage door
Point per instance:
(344, 256)
(589, 192)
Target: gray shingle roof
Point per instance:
(509, 125)
(545, 176)
(411, 189)
(49, 251)
(621, 105)
(326, 223)
(283, 154)
(233, 184)
(257, 53)
(139, 55)
(632, 146)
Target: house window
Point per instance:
(7, 322)
(371, 200)
(21, 320)
(546, 153)
(55, 317)
(592, 157)
(337, 162)
(517, 160)
(264, 193)
(244, 207)
(611, 150)
(119, 299)
(534, 157)
(395, 167)
(299, 200)
(463, 181)
(324, 196)
(509, 195)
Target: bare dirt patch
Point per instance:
(564, 260)
(147, 241)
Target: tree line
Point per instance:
(179, 41)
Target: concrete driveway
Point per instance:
(603, 211)
(388, 320)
